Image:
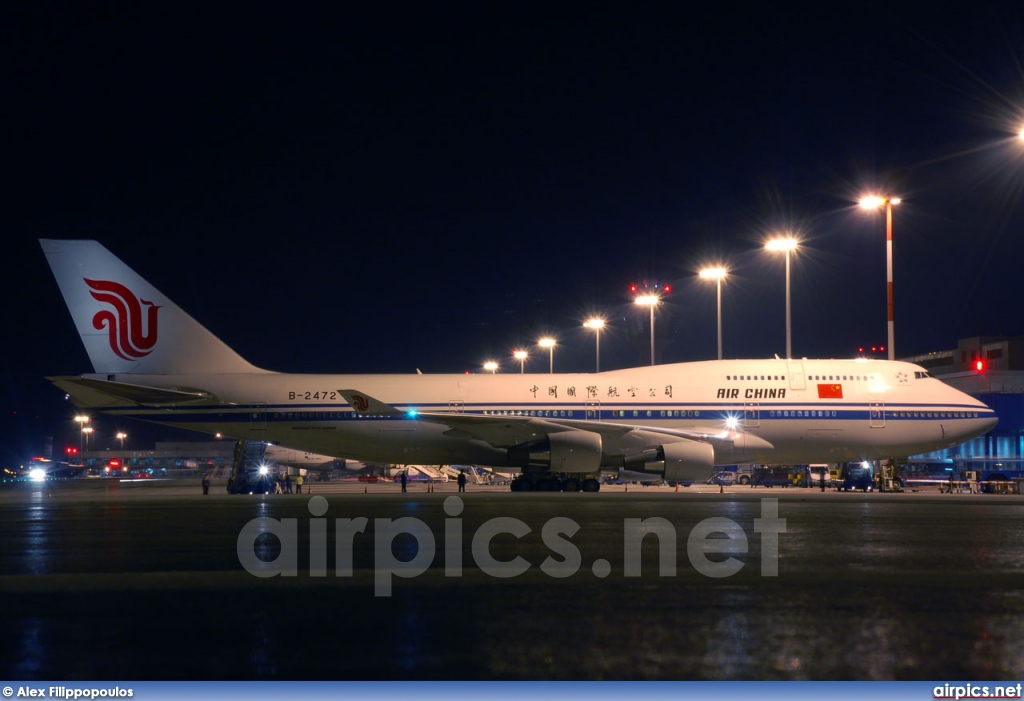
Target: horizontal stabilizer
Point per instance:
(88, 392)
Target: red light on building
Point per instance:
(979, 365)
(114, 462)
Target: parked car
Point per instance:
(723, 478)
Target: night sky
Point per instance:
(383, 187)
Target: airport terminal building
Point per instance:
(991, 369)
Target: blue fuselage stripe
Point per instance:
(718, 411)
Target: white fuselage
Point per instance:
(807, 410)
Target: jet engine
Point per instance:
(684, 461)
(567, 451)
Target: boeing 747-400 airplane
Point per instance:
(154, 362)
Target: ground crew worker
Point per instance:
(298, 484)
(206, 483)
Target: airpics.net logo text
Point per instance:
(977, 691)
(720, 537)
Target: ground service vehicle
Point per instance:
(855, 475)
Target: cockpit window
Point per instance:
(921, 374)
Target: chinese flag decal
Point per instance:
(830, 391)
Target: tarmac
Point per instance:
(150, 580)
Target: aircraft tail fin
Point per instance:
(126, 324)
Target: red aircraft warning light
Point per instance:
(871, 349)
(649, 288)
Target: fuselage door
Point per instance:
(751, 415)
(876, 415)
(258, 416)
(456, 406)
(593, 411)
(796, 376)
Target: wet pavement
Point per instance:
(108, 580)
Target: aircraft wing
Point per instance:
(507, 431)
(500, 431)
(103, 393)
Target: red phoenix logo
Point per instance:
(360, 403)
(131, 335)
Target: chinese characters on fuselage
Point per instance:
(593, 392)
